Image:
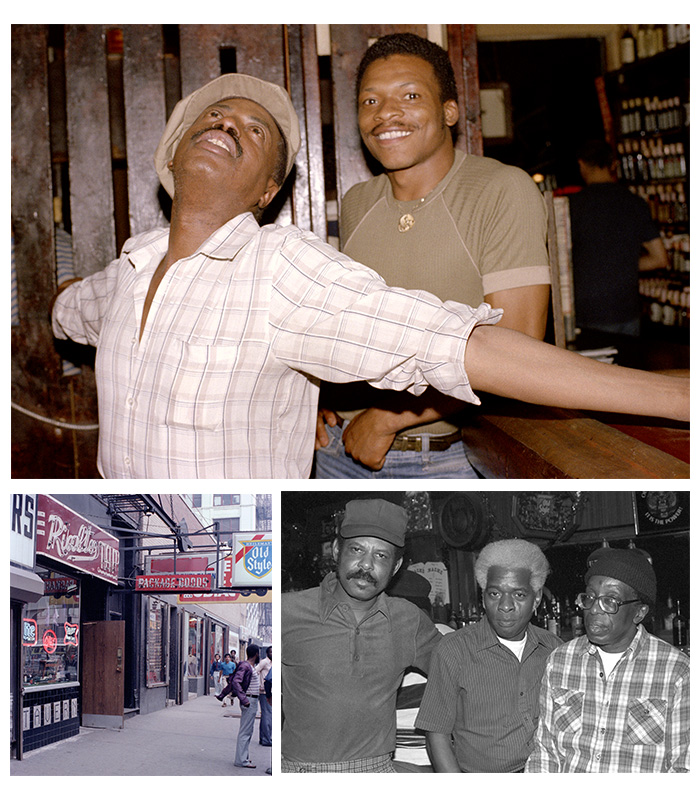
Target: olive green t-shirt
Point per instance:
(482, 229)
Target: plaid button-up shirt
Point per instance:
(224, 381)
(635, 720)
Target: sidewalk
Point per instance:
(195, 739)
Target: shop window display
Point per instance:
(51, 634)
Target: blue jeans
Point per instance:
(333, 462)
(265, 736)
(245, 732)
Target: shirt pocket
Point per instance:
(201, 386)
(646, 721)
(567, 710)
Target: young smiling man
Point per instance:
(345, 648)
(463, 227)
(481, 702)
(616, 700)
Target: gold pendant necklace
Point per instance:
(407, 220)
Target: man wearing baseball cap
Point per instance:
(345, 647)
(212, 335)
(618, 698)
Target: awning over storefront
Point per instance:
(25, 586)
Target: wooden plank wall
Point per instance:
(89, 104)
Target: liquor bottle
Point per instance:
(627, 47)
(680, 628)
(568, 614)
(669, 615)
(553, 623)
(577, 627)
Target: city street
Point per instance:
(194, 739)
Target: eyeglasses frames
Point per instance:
(610, 605)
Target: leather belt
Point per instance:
(436, 443)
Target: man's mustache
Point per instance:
(239, 149)
(360, 574)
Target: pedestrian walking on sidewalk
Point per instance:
(228, 667)
(216, 672)
(246, 686)
(265, 735)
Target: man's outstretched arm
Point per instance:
(513, 365)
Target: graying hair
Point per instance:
(513, 554)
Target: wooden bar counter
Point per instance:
(509, 439)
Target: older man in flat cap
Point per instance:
(618, 698)
(212, 334)
(345, 647)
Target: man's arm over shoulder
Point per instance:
(426, 639)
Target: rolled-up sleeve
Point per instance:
(339, 321)
(80, 308)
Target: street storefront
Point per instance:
(69, 550)
(50, 670)
(101, 629)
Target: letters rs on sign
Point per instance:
(23, 527)
(24, 515)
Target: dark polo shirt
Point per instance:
(340, 679)
(479, 692)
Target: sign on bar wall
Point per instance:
(659, 512)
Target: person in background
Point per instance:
(216, 673)
(616, 700)
(613, 238)
(246, 686)
(345, 648)
(464, 227)
(411, 754)
(482, 699)
(265, 731)
(228, 667)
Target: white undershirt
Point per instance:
(516, 647)
(609, 659)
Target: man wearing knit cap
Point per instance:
(618, 698)
(212, 335)
(345, 647)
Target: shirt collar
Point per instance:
(632, 651)
(486, 637)
(223, 244)
(330, 599)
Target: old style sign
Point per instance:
(251, 563)
(65, 536)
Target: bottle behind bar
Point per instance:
(577, 627)
(680, 628)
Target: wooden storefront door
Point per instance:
(102, 674)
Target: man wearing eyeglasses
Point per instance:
(618, 698)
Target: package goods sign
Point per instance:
(252, 560)
(65, 536)
(181, 582)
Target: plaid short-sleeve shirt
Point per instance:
(224, 381)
